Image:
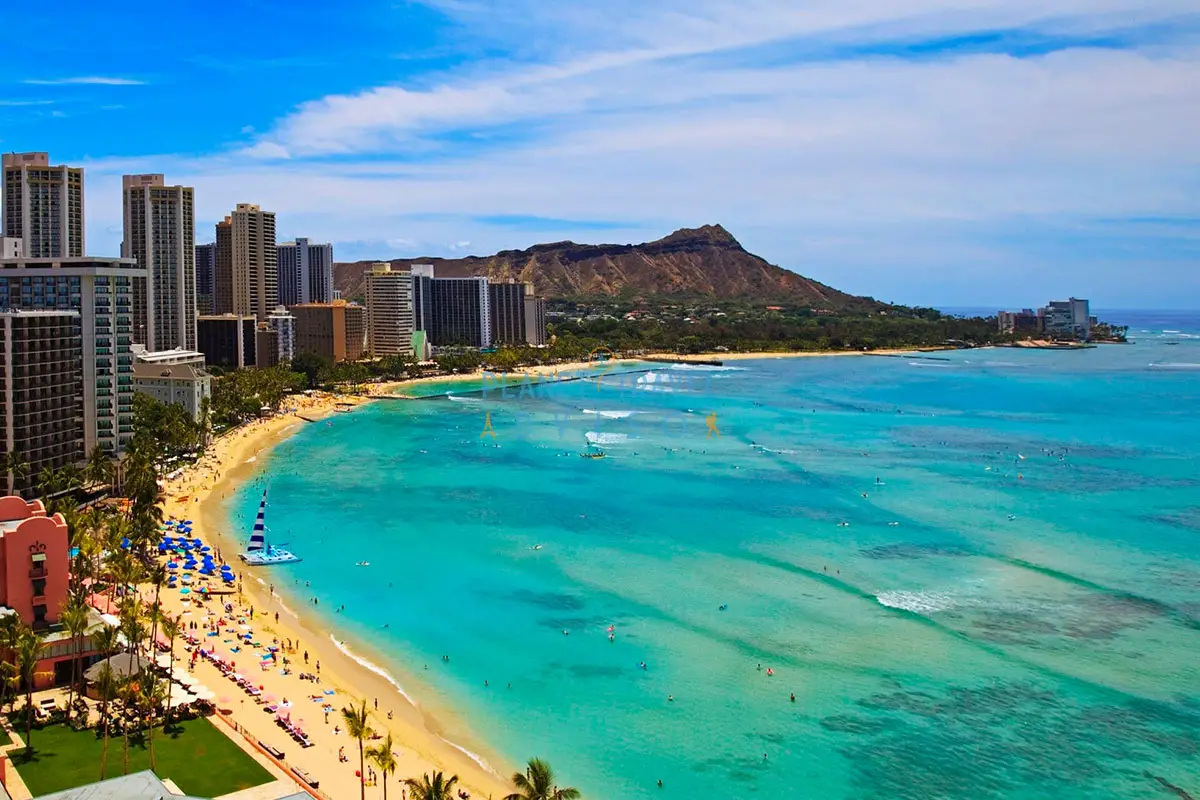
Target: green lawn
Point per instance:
(64, 758)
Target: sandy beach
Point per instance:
(196, 494)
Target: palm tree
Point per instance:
(106, 688)
(99, 468)
(17, 469)
(171, 626)
(127, 690)
(537, 783)
(383, 757)
(28, 650)
(75, 619)
(431, 787)
(358, 727)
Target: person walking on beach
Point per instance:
(306, 658)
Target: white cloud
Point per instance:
(831, 167)
(85, 81)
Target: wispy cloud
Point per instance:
(24, 103)
(878, 146)
(84, 81)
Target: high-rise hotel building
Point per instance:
(160, 234)
(43, 205)
(389, 311)
(40, 382)
(305, 272)
(247, 277)
(101, 291)
(206, 268)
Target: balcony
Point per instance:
(37, 572)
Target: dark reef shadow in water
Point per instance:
(998, 740)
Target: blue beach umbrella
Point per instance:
(125, 543)
(185, 590)
(187, 522)
(205, 549)
(172, 565)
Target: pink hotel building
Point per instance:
(34, 561)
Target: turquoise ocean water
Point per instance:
(978, 572)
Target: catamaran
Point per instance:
(260, 553)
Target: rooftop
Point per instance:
(144, 785)
(175, 371)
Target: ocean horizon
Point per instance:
(964, 574)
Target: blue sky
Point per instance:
(921, 151)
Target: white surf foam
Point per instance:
(606, 438)
(704, 368)
(1175, 365)
(478, 759)
(380, 671)
(610, 414)
(654, 382)
(251, 459)
(918, 602)
(455, 398)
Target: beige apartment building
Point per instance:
(335, 331)
(389, 311)
(247, 276)
(43, 205)
(160, 234)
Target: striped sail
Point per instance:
(258, 538)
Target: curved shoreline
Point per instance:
(418, 731)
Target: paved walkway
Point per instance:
(12, 779)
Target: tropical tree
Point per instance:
(537, 783)
(75, 619)
(28, 651)
(99, 469)
(171, 626)
(106, 641)
(383, 758)
(358, 726)
(128, 691)
(16, 468)
(431, 787)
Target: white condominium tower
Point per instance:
(305, 272)
(160, 234)
(43, 205)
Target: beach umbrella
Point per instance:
(125, 543)
(185, 590)
(187, 578)
(187, 522)
(173, 565)
(162, 547)
(205, 549)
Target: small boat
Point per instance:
(260, 553)
(596, 454)
(362, 563)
